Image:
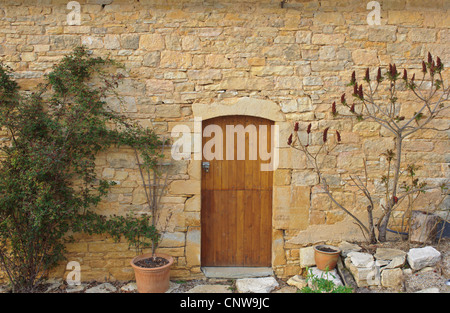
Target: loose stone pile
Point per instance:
(386, 268)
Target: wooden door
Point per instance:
(236, 208)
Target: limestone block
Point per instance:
(159, 86)
(347, 248)
(193, 243)
(185, 187)
(256, 285)
(307, 257)
(129, 41)
(383, 33)
(328, 18)
(328, 39)
(312, 81)
(365, 57)
(175, 59)
(151, 42)
(402, 17)
(303, 37)
(422, 35)
(392, 278)
(297, 281)
(419, 258)
(173, 239)
(360, 259)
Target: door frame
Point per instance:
(246, 106)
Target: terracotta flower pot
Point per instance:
(326, 257)
(152, 280)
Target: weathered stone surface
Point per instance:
(347, 247)
(365, 57)
(297, 281)
(383, 33)
(392, 278)
(360, 259)
(389, 254)
(306, 257)
(256, 285)
(151, 42)
(419, 258)
(369, 275)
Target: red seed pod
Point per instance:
(333, 108)
(352, 108)
(424, 67)
(353, 80)
(432, 68)
(338, 136)
(325, 134)
(343, 99)
(430, 58)
(405, 75)
(394, 70)
(438, 63)
(296, 127)
(289, 142)
(379, 77)
(360, 92)
(355, 89)
(395, 199)
(413, 77)
(367, 77)
(308, 130)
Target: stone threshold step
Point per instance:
(236, 272)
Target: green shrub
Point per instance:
(48, 184)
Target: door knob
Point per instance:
(205, 166)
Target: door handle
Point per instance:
(205, 166)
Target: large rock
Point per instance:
(360, 259)
(419, 258)
(256, 285)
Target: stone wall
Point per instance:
(179, 54)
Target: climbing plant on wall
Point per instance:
(48, 183)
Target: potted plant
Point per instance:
(152, 270)
(326, 257)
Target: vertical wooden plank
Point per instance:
(240, 227)
(256, 221)
(248, 228)
(266, 228)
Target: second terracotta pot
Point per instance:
(152, 280)
(326, 257)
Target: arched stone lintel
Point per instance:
(243, 106)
